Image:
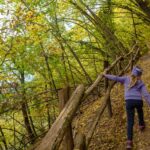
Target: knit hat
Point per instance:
(136, 71)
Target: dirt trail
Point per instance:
(143, 139)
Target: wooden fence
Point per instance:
(62, 125)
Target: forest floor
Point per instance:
(110, 133)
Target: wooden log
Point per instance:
(99, 78)
(106, 84)
(80, 142)
(55, 135)
(67, 143)
(99, 114)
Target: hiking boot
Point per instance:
(141, 128)
(129, 144)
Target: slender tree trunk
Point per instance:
(1, 147)
(71, 72)
(47, 110)
(14, 129)
(91, 41)
(95, 67)
(79, 62)
(24, 108)
(50, 75)
(70, 68)
(61, 40)
(134, 28)
(3, 139)
(31, 122)
(64, 63)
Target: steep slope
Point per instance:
(110, 133)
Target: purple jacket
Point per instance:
(136, 92)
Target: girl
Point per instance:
(134, 90)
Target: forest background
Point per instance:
(48, 45)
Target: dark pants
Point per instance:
(130, 108)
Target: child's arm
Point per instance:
(145, 94)
(115, 78)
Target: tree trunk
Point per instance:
(65, 68)
(3, 139)
(24, 108)
(50, 75)
(47, 108)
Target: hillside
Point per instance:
(110, 133)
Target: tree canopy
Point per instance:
(46, 45)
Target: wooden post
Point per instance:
(99, 113)
(63, 95)
(106, 64)
(80, 142)
(67, 143)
